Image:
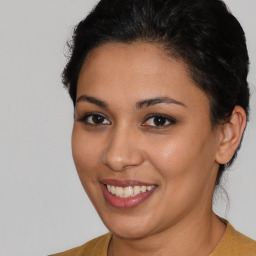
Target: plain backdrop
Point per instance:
(43, 208)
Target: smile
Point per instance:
(129, 191)
(126, 194)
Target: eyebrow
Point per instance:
(140, 104)
(92, 100)
(158, 100)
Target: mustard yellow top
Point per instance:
(232, 243)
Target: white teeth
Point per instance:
(113, 190)
(136, 190)
(143, 189)
(150, 187)
(128, 191)
(119, 192)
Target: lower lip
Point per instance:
(125, 203)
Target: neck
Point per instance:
(196, 235)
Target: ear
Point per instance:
(230, 135)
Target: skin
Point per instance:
(181, 157)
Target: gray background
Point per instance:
(43, 208)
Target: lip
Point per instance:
(129, 202)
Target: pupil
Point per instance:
(159, 121)
(97, 119)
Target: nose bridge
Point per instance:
(122, 150)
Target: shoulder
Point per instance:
(234, 243)
(242, 245)
(97, 247)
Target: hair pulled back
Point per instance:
(201, 33)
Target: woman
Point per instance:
(161, 103)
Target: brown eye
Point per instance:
(159, 121)
(97, 119)
(94, 119)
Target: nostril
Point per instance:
(121, 152)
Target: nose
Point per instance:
(122, 150)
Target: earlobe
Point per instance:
(231, 135)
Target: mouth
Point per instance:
(128, 191)
(126, 194)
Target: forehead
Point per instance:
(133, 71)
(137, 58)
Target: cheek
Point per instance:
(172, 162)
(182, 156)
(185, 167)
(85, 154)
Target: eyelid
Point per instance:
(170, 119)
(84, 117)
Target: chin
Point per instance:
(130, 232)
(129, 227)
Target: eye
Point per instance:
(94, 119)
(159, 121)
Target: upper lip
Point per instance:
(124, 183)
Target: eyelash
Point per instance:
(169, 119)
(84, 120)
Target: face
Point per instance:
(142, 141)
